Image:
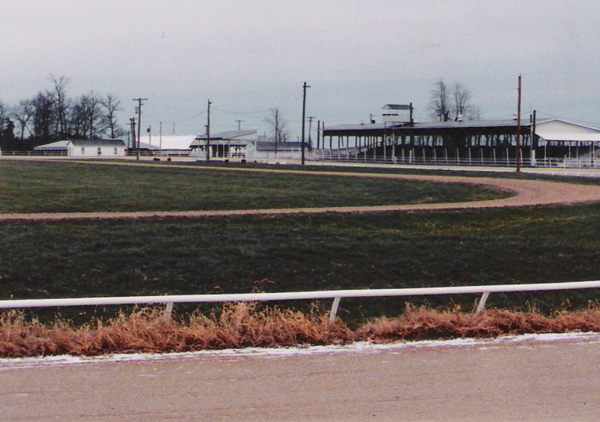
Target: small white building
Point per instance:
(234, 144)
(397, 113)
(101, 148)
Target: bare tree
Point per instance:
(3, 121)
(111, 106)
(43, 116)
(278, 125)
(61, 105)
(3, 111)
(86, 116)
(473, 113)
(462, 96)
(440, 101)
(455, 105)
(23, 113)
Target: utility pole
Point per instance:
(519, 129)
(276, 129)
(310, 119)
(239, 122)
(208, 133)
(132, 123)
(303, 117)
(139, 113)
(318, 134)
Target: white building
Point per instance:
(578, 144)
(557, 130)
(101, 148)
(397, 113)
(168, 145)
(238, 145)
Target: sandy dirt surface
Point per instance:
(526, 193)
(526, 380)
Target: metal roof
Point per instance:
(561, 130)
(53, 146)
(98, 142)
(231, 134)
(455, 124)
(63, 145)
(464, 124)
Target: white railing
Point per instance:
(33, 154)
(336, 295)
(470, 157)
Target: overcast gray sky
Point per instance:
(252, 56)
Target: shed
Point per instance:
(104, 148)
(243, 145)
(233, 144)
(96, 148)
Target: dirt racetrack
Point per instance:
(525, 379)
(526, 193)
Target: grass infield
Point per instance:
(33, 187)
(295, 252)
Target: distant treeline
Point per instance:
(52, 115)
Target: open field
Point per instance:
(35, 187)
(298, 252)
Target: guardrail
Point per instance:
(336, 295)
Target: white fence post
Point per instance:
(334, 309)
(482, 302)
(168, 311)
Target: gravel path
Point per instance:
(527, 193)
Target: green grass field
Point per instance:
(293, 252)
(71, 187)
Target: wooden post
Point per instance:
(208, 132)
(519, 129)
(303, 119)
(318, 134)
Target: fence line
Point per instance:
(337, 295)
(415, 159)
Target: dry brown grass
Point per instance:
(250, 325)
(424, 324)
(146, 330)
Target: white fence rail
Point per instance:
(472, 157)
(337, 295)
